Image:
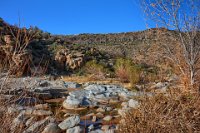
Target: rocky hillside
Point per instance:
(71, 52)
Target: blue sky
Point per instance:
(75, 16)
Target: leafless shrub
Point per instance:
(14, 54)
(175, 113)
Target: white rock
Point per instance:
(107, 118)
(133, 103)
(69, 122)
(71, 102)
(96, 89)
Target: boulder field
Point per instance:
(54, 106)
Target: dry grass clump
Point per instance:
(174, 113)
(96, 70)
(126, 71)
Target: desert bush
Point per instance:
(126, 71)
(97, 70)
(174, 113)
(55, 47)
(14, 55)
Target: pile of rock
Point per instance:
(102, 97)
(28, 119)
(43, 89)
(94, 95)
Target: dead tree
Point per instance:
(183, 17)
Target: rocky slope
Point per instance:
(68, 53)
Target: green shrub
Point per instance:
(56, 47)
(96, 69)
(126, 71)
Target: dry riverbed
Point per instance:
(56, 106)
